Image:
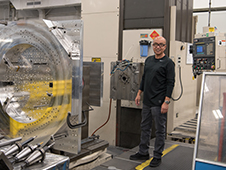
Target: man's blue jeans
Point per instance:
(148, 115)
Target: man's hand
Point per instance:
(164, 108)
(137, 100)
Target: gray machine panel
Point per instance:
(125, 80)
(96, 82)
(143, 14)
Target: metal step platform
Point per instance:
(185, 132)
(176, 156)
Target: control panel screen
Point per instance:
(200, 49)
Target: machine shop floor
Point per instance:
(176, 156)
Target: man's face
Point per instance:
(159, 45)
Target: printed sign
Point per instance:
(96, 59)
(143, 35)
(154, 34)
(211, 29)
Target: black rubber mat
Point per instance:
(179, 158)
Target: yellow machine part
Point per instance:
(51, 114)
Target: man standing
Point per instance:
(157, 84)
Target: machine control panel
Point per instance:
(204, 53)
(204, 63)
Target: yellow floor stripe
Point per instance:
(146, 163)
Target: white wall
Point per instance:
(216, 19)
(101, 24)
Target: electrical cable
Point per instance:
(118, 65)
(113, 70)
(129, 50)
(180, 86)
(109, 115)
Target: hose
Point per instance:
(109, 115)
(180, 86)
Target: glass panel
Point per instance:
(212, 134)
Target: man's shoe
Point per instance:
(138, 156)
(155, 162)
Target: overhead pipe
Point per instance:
(209, 13)
(215, 9)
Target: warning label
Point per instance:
(154, 34)
(143, 35)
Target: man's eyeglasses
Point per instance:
(160, 45)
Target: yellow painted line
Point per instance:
(146, 163)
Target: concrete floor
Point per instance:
(172, 160)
